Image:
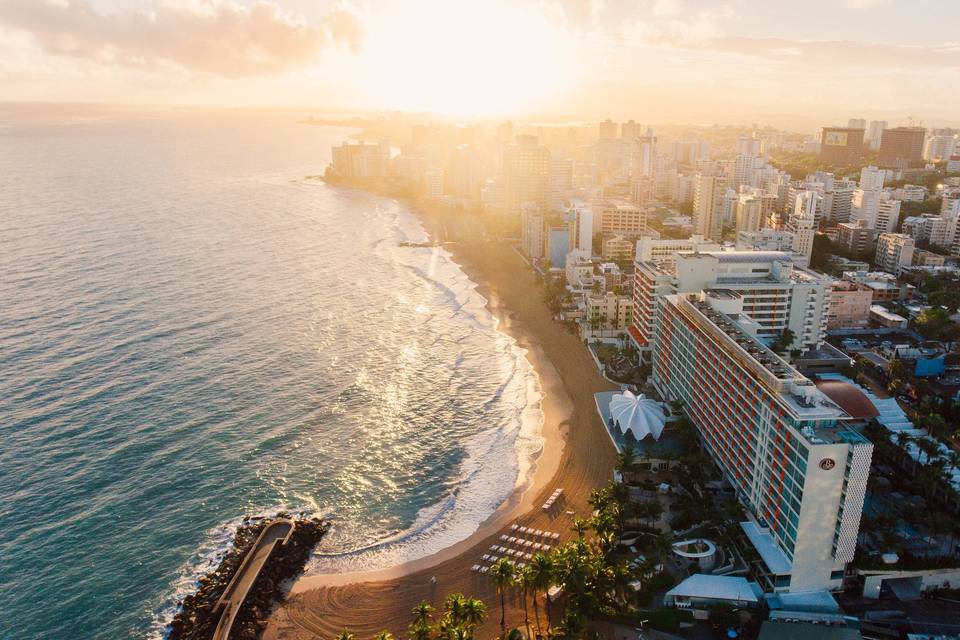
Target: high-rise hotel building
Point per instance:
(776, 292)
(787, 449)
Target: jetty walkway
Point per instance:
(273, 535)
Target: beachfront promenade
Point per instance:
(273, 535)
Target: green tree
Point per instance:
(935, 424)
(525, 580)
(580, 525)
(420, 628)
(503, 573)
(722, 616)
(541, 579)
(454, 605)
(783, 341)
(474, 613)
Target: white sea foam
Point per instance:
(499, 460)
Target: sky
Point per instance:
(700, 61)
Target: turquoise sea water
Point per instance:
(190, 331)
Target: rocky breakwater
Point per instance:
(197, 618)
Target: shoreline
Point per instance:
(555, 408)
(577, 456)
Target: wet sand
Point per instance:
(577, 456)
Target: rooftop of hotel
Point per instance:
(739, 256)
(798, 393)
(656, 267)
(749, 256)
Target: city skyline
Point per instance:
(662, 60)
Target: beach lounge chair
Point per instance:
(527, 556)
(514, 527)
(538, 533)
(504, 537)
(484, 569)
(475, 568)
(546, 547)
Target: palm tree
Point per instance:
(515, 634)
(420, 632)
(663, 546)
(422, 613)
(420, 628)
(625, 458)
(580, 526)
(454, 606)
(344, 635)
(903, 441)
(541, 570)
(473, 613)
(928, 447)
(525, 578)
(955, 459)
(384, 635)
(502, 573)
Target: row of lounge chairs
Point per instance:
(553, 498)
(526, 543)
(536, 533)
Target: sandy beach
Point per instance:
(577, 456)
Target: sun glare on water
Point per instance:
(475, 60)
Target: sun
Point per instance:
(485, 60)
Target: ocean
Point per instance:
(192, 329)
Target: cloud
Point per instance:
(674, 23)
(826, 54)
(581, 13)
(220, 37)
(865, 4)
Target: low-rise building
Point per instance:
(606, 315)
(923, 258)
(841, 264)
(885, 287)
(849, 306)
(618, 217)
(617, 248)
(886, 318)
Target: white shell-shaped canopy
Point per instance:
(638, 414)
